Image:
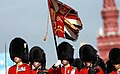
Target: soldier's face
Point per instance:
(17, 60)
(88, 64)
(65, 62)
(117, 66)
(36, 64)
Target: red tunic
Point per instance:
(115, 72)
(35, 71)
(85, 71)
(63, 70)
(22, 69)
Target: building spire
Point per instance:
(109, 4)
(109, 37)
(110, 15)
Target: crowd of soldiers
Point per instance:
(34, 62)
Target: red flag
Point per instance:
(65, 20)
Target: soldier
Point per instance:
(78, 63)
(38, 60)
(19, 54)
(113, 64)
(90, 60)
(109, 67)
(65, 54)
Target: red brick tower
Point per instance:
(109, 37)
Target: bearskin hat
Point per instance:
(78, 63)
(37, 54)
(65, 51)
(87, 53)
(114, 56)
(99, 62)
(19, 48)
(109, 67)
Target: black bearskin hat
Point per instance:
(19, 48)
(87, 53)
(65, 51)
(37, 54)
(109, 67)
(114, 56)
(78, 63)
(99, 62)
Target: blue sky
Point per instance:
(28, 19)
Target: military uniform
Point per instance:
(19, 48)
(114, 58)
(63, 70)
(89, 56)
(37, 54)
(86, 70)
(22, 69)
(65, 51)
(39, 71)
(115, 72)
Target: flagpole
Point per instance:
(5, 60)
(54, 2)
(55, 41)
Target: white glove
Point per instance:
(58, 63)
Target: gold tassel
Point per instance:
(45, 37)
